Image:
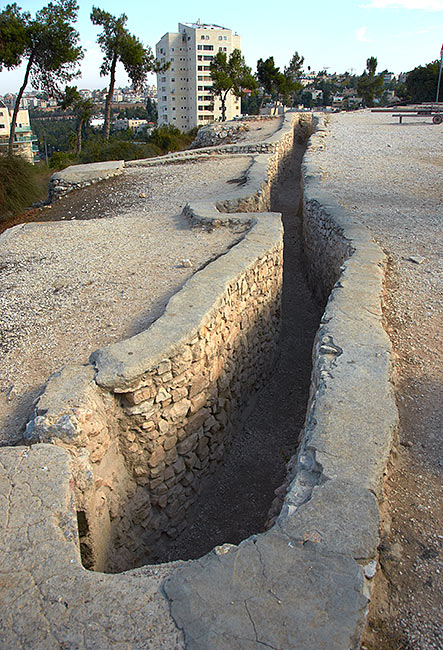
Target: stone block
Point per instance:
(179, 393)
(156, 457)
(178, 410)
(164, 366)
(170, 442)
(171, 456)
(198, 402)
(163, 395)
(188, 444)
(196, 420)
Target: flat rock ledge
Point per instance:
(300, 585)
(78, 176)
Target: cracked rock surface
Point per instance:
(51, 601)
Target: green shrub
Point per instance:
(169, 138)
(20, 185)
(62, 159)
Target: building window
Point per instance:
(199, 58)
(202, 37)
(164, 98)
(208, 57)
(199, 67)
(200, 87)
(199, 47)
(208, 47)
(220, 38)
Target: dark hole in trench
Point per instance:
(234, 502)
(85, 546)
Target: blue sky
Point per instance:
(338, 35)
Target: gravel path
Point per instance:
(390, 176)
(70, 286)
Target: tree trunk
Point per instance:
(223, 105)
(79, 137)
(107, 124)
(17, 104)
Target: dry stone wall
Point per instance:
(151, 416)
(306, 581)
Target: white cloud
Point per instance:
(426, 5)
(361, 35)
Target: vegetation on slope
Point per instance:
(20, 185)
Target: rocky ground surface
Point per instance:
(236, 131)
(101, 267)
(389, 176)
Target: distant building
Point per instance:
(184, 90)
(388, 77)
(123, 123)
(25, 143)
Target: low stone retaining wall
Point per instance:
(151, 416)
(302, 584)
(77, 176)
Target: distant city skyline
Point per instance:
(402, 34)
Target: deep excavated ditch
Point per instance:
(235, 500)
(234, 503)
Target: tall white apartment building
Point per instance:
(184, 90)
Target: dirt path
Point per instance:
(234, 503)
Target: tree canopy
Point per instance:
(370, 85)
(230, 75)
(266, 75)
(82, 109)
(118, 44)
(48, 42)
(421, 83)
(279, 85)
(295, 68)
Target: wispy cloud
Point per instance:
(361, 35)
(426, 5)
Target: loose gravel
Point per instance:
(102, 269)
(390, 177)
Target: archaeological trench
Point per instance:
(121, 450)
